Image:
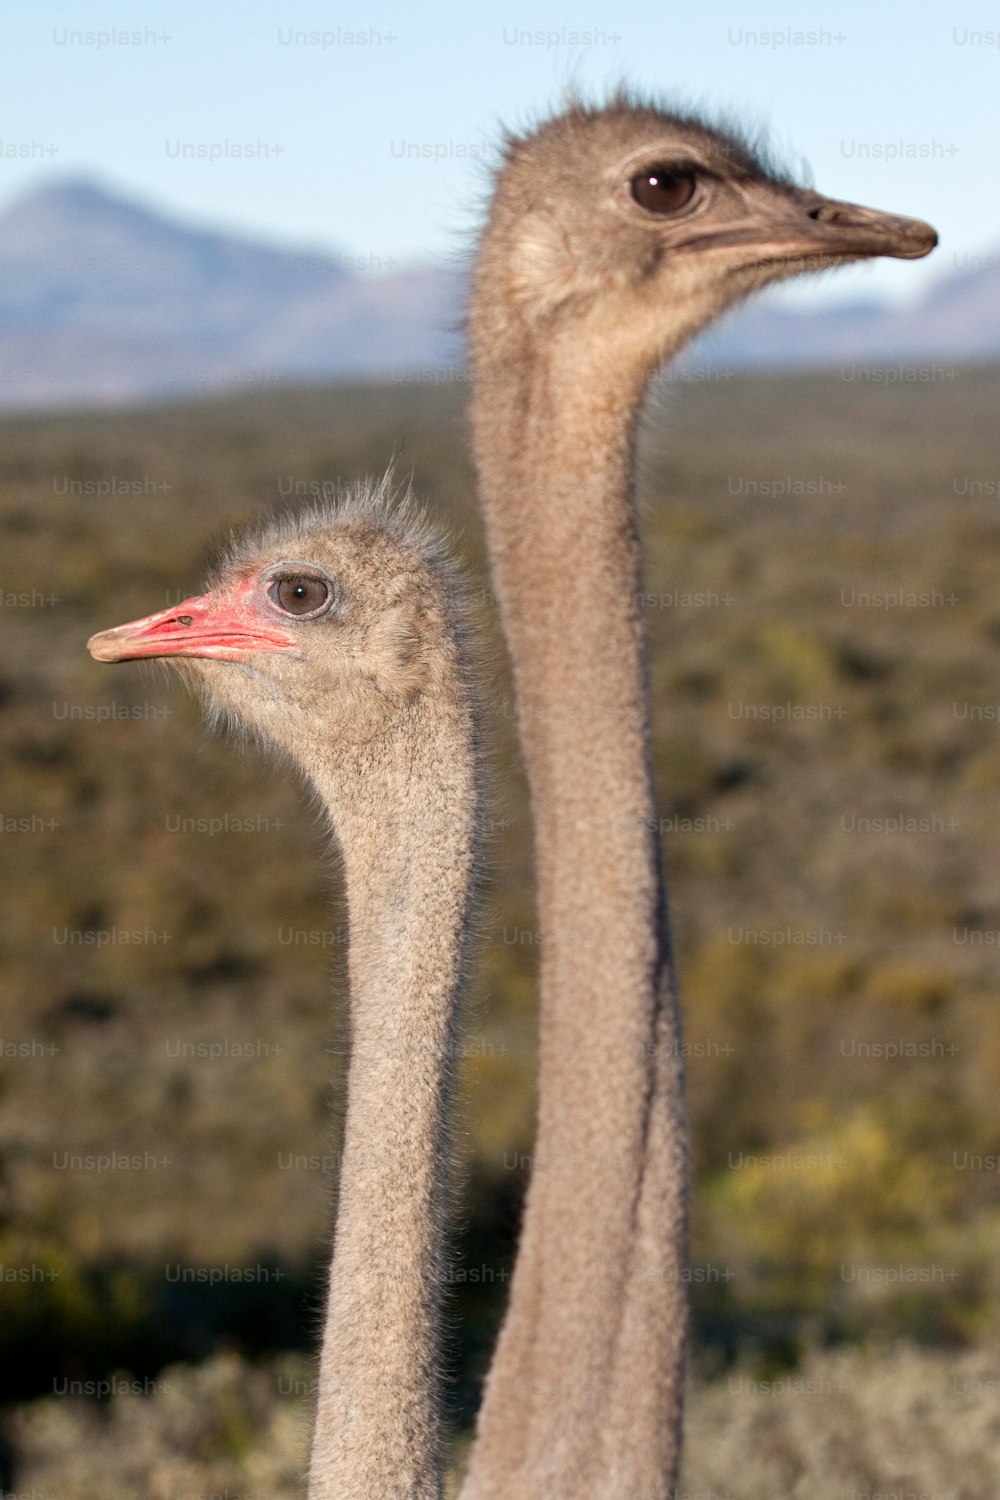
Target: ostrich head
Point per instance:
(318, 632)
(651, 224)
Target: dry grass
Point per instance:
(211, 1056)
(901, 1424)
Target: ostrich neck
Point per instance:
(584, 1395)
(404, 813)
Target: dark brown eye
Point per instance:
(300, 594)
(663, 190)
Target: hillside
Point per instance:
(103, 300)
(825, 652)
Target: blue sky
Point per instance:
(890, 103)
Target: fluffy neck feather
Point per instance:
(404, 810)
(584, 1395)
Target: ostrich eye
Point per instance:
(300, 594)
(663, 190)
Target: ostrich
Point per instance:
(613, 236)
(339, 640)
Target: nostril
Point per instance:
(825, 213)
(185, 619)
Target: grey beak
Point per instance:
(850, 228)
(781, 224)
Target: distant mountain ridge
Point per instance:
(104, 300)
(956, 320)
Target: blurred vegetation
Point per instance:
(873, 1425)
(828, 771)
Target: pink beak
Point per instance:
(224, 627)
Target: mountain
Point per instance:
(104, 300)
(957, 320)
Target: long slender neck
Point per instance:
(584, 1395)
(404, 812)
